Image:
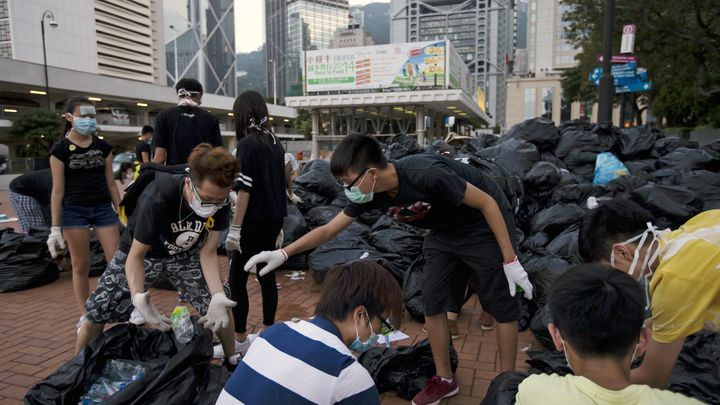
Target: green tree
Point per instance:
(677, 41)
(37, 131)
(303, 123)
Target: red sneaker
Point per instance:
(435, 390)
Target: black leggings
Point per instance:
(256, 236)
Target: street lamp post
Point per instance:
(606, 88)
(53, 24)
(274, 80)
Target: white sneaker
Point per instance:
(240, 347)
(136, 318)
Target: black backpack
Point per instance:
(146, 175)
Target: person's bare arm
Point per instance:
(110, 181)
(57, 168)
(135, 267)
(241, 205)
(145, 156)
(288, 179)
(320, 235)
(160, 155)
(476, 198)
(657, 366)
(209, 263)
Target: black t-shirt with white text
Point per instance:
(85, 182)
(180, 129)
(430, 195)
(164, 220)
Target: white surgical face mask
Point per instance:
(653, 252)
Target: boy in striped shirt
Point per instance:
(312, 362)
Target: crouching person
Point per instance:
(174, 230)
(313, 361)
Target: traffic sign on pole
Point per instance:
(628, 39)
(618, 58)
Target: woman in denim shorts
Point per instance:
(83, 194)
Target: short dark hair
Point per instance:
(70, 106)
(359, 283)
(598, 310)
(249, 104)
(189, 85)
(357, 152)
(146, 129)
(612, 222)
(216, 165)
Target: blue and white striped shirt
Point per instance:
(300, 363)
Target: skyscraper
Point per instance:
(294, 26)
(202, 45)
(481, 32)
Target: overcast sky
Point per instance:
(249, 22)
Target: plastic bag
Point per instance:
(639, 167)
(566, 246)
(479, 142)
(504, 388)
(601, 138)
(317, 178)
(24, 261)
(557, 218)
(689, 159)
(548, 362)
(510, 184)
(576, 193)
(663, 146)
(412, 290)
(116, 375)
(541, 132)
(401, 145)
(390, 236)
(608, 168)
(175, 376)
(182, 325)
(625, 185)
(310, 199)
(542, 177)
(637, 141)
(697, 371)
(404, 370)
(677, 204)
(294, 228)
(542, 272)
(514, 155)
(320, 216)
(706, 186)
(536, 243)
(348, 246)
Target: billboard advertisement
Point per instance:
(409, 66)
(458, 74)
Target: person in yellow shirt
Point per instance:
(597, 315)
(681, 269)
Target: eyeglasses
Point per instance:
(352, 183)
(219, 204)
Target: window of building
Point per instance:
(529, 102)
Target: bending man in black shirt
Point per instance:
(470, 224)
(30, 198)
(174, 230)
(181, 128)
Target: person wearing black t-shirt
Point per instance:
(259, 211)
(83, 194)
(30, 198)
(181, 128)
(173, 230)
(143, 151)
(470, 223)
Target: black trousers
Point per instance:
(255, 237)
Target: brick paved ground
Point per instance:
(37, 333)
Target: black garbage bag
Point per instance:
(310, 199)
(401, 145)
(294, 227)
(320, 216)
(676, 204)
(479, 142)
(557, 218)
(438, 146)
(638, 167)
(391, 236)
(348, 246)
(539, 327)
(542, 272)
(584, 173)
(212, 385)
(712, 149)
(25, 261)
(504, 388)
(536, 243)
(566, 246)
(541, 178)
(568, 178)
(541, 132)
(663, 146)
(636, 142)
(667, 176)
(528, 210)
(396, 151)
(412, 290)
(514, 155)
(577, 193)
(624, 185)
(689, 159)
(510, 183)
(404, 370)
(697, 371)
(600, 139)
(548, 362)
(551, 158)
(316, 177)
(706, 186)
(177, 372)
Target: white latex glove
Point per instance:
(516, 275)
(295, 199)
(217, 314)
(233, 239)
(279, 240)
(55, 241)
(273, 259)
(142, 303)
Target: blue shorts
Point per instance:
(75, 216)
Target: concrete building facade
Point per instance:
(352, 36)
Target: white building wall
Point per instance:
(71, 45)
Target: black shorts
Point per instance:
(448, 259)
